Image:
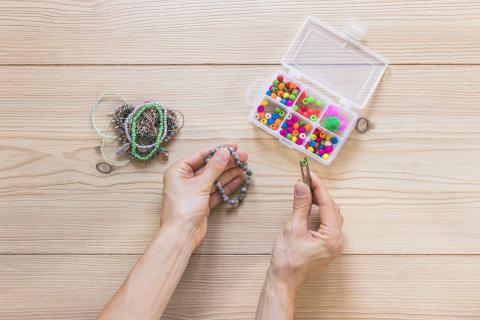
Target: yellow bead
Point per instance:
(264, 102)
(263, 120)
(286, 95)
(313, 137)
(294, 139)
(328, 138)
(325, 156)
(310, 149)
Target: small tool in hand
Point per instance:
(305, 169)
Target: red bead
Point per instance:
(280, 78)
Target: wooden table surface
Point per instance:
(409, 188)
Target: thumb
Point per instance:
(215, 166)
(302, 204)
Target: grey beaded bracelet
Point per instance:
(242, 165)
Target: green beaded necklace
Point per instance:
(161, 131)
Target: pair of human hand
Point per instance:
(189, 195)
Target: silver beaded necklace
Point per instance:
(242, 165)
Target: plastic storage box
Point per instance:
(317, 118)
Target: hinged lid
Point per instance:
(336, 61)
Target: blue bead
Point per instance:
(274, 116)
(334, 140)
(313, 144)
(270, 121)
(321, 146)
(284, 101)
(284, 125)
(268, 93)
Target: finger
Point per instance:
(197, 159)
(229, 188)
(228, 176)
(326, 206)
(215, 167)
(242, 155)
(302, 205)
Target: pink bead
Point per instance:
(342, 126)
(290, 103)
(321, 151)
(283, 133)
(328, 149)
(295, 119)
(301, 129)
(260, 108)
(299, 141)
(290, 123)
(290, 129)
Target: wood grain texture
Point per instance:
(410, 185)
(227, 32)
(227, 287)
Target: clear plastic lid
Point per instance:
(336, 62)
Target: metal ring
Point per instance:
(104, 167)
(362, 125)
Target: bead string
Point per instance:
(162, 131)
(130, 124)
(242, 165)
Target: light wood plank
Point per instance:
(411, 184)
(226, 32)
(227, 287)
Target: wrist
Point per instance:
(182, 239)
(281, 286)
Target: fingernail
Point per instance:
(300, 189)
(222, 155)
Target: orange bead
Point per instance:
(262, 115)
(292, 86)
(273, 95)
(323, 134)
(279, 93)
(281, 85)
(308, 127)
(273, 126)
(296, 125)
(295, 133)
(278, 121)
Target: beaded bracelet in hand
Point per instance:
(242, 165)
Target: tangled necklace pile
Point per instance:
(141, 130)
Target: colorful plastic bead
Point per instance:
(299, 140)
(273, 126)
(295, 132)
(334, 140)
(278, 121)
(283, 133)
(331, 123)
(268, 115)
(256, 116)
(260, 108)
(310, 149)
(275, 116)
(325, 156)
(270, 121)
(264, 103)
(313, 117)
(281, 113)
(263, 120)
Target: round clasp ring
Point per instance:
(362, 125)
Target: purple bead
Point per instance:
(283, 133)
(290, 123)
(260, 108)
(290, 129)
(301, 129)
(295, 119)
(299, 141)
(290, 103)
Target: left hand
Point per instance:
(189, 192)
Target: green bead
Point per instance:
(275, 82)
(277, 109)
(295, 108)
(292, 97)
(320, 103)
(274, 89)
(305, 101)
(310, 99)
(289, 136)
(295, 92)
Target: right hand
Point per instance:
(299, 252)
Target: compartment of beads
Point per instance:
(283, 89)
(322, 143)
(337, 119)
(269, 114)
(310, 104)
(295, 128)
